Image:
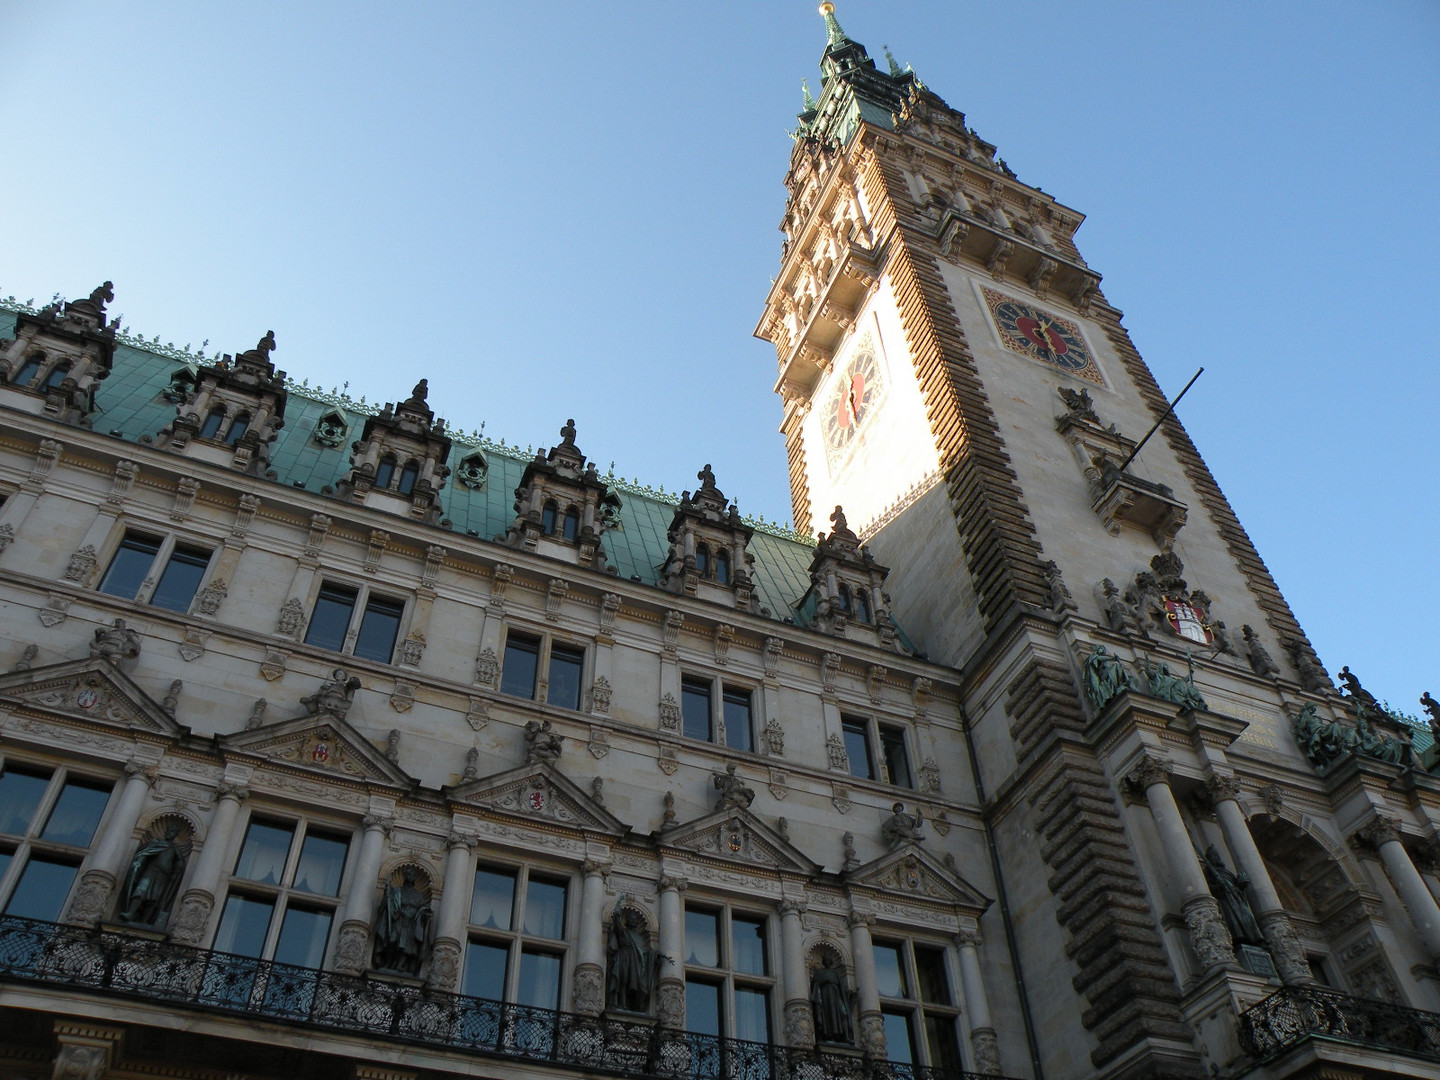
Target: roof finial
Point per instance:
(895, 69)
(809, 99)
(834, 35)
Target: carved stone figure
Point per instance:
(27, 659)
(733, 791)
(1428, 703)
(1260, 660)
(402, 926)
(830, 1000)
(1312, 675)
(1105, 677)
(1119, 615)
(1079, 404)
(901, 828)
(115, 643)
(153, 878)
(1362, 699)
(1229, 891)
(542, 744)
(1167, 686)
(632, 961)
(334, 697)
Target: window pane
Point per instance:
(243, 926)
(5, 857)
(322, 861)
(130, 565)
(302, 937)
(890, 972)
(76, 813)
(752, 1015)
(566, 663)
(212, 423)
(379, 627)
(522, 660)
(857, 748)
(695, 708)
(930, 974)
(41, 891)
(262, 858)
(748, 945)
(493, 899)
(702, 1007)
(738, 734)
(897, 763)
(20, 794)
(539, 980)
(485, 969)
(702, 938)
(545, 909)
(330, 620)
(181, 579)
(941, 1042)
(899, 1037)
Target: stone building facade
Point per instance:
(335, 743)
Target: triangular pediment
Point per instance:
(913, 872)
(538, 791)
(736, 835)
(319, 744)
(92, 690)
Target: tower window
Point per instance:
(863, 611)
(28, 370)
(385, 471)
(57, 375)
(702, 560)
(238, 427)
(845, 602)
(722, 567)
(571, 528)
(408, 476)
(211, 427)
(548, 516)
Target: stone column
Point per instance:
(1209, 936)
(588, 998)
(107, 859)
(85, 1051)
(1383, 834)
(454, 913)
(799, 1015)
(670, 988)
(193, 918)
(972, 984)
(872, 1027)
(351, 950)
(1270, 913)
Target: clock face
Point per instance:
(854, 397)
(1041, 335)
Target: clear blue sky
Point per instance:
(569, 209)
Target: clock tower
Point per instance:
(953, 376)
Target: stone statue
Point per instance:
(706, 476)
(153, 878)
(1164, 684)
(102, 295)
(402, 926)
(1261, 662)
(114, 643)
(830, 1000)
(541, 742)
(1363, 700)
(1229, 889)
(1119, 615)
(901, 828)
(1432, 707)
(1105, 677)
(266, 345)
(632, 961)
(334, 696)
(733, 791)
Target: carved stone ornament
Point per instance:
(589, 990)
(292, 614)
(209, 599)
(1208, 936)
(670, 1004)
(1285, 948)
(600, 695)
(872, 1036)
(930, 776)
(487, 668)
(412, 649)
(799, 1024)
(115, 643)
(987, 1051)
(774, 737)
(669, 712)
(835, 750)
(81, 565)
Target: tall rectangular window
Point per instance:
(330, 621)
(729, 983)
(130, 565)
(518, 928)
(180, 580)
(917, 1005)
(897, 761)
(710, 709)
(695, 708)
(47, 823)
(379, 627)
(522, 665)
(739, 724)
(857, 747)
(567, 663)
(335, 613)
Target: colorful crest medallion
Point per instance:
(1188, 622)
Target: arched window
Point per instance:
(863, 611)
(845, 604)
(722, 566)
(702, 560)
(572, 524)
(408, 476)
(238, 427)
(211, 427)
(547, 518)
(385, 473)
(57, 375)
(28, 370)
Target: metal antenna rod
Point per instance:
(1166, 413)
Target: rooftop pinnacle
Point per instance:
(834, 34)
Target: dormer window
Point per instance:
(330, 430)
(385, 472)
(57, 375)
(571, 528)
(846, 605)
(562, 506)
(211, 427)
(408, 476)
(863, 612)
(28, 370)
(702, 560)
(238, 427)
(722, 567)
(547, 518)
(707, 554)
(471, 472)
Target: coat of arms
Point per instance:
(1188, 621)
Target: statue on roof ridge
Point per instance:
(103, 295)
(421, 391)
(706, 476)
(567, 433)
(838, 520)
(266, 344)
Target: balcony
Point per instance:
(1288, 1018)
(103, 962)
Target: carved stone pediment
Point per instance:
(92, 690)
(738, 836)
(912, 872)
(319, 744)
(538, 791)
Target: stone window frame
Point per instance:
(516, 941)
(724, 974)
(43, 378)
(561, 527)
(717, 687)
(364, 593)
(546, 642)
(875, 728)
(912, 1004)
(224, 433)
(168, 543)
(20, 849)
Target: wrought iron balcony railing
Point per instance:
(1290, 1016)
(107, 962)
